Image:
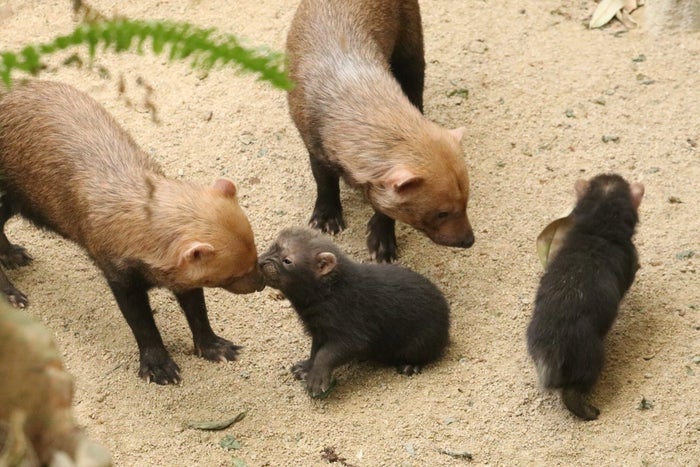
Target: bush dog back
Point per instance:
(67, 166)
(581, 290)
(382, 312)
(359, 68)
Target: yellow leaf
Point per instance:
(550, 240)
(604, 12)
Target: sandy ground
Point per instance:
(543, 90)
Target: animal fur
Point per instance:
(381, 312)
(580, 292)
(69, 167)
(359, 68)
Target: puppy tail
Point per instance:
(575, 400)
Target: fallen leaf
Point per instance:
(604, 12)
(215, 425)
(551, 238)
(229, 443)
(456, 454)
(631, 5)
(624, 17)
(685, 254)
(460, 92)
(645, 404)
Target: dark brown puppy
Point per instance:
(67, 166)
(381, 312)
(581, 290)
(358, 67)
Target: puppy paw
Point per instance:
(15, 297)
(300, 369)
(576, 402)
(409, 369)
(15, 256)
(319, 384)
(381, 239)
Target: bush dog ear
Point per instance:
(458, 133)
(195, 251)
(637, 191)
(581, 187)
(325, 263)
(399, 178)
(225, 187)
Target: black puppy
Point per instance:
(581, 290)
(381, 312)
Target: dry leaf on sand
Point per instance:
(551, 239)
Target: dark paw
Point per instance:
(219, 350)
(327, 220)
(14, 257)
(382, 250)
(159, 368)
(587, 412)
(381, 239)
(300, 369)
(319, 384)
(408, 369)
(577, 404)
(15, 297)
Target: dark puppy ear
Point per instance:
(637, 191)
(325, 263)
(581, 187)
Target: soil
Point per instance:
(539, 94)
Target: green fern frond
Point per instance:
(181, 41)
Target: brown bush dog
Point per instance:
(359, 69)
(381, 312)
(580, 292)
(67, 166)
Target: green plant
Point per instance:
(205, 47)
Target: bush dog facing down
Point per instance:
(358, 67)
(67, 166)
(581, 290)
(381, 312)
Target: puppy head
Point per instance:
(299, 260)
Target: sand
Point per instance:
(542, 92)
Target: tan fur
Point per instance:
(349, 106)
(71, 168)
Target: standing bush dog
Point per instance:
(359, 69)
(381, 312)
(581, 290)
(67, 166)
